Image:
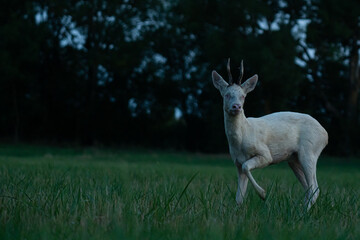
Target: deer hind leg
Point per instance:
(308, 163)
(298, 171)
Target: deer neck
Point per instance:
(235, 127)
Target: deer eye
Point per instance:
(227, 96)
(242, 97)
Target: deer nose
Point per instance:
(236, 107)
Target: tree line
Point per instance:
(138, 73)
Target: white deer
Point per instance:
(259, 142)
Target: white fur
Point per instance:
(259, 142)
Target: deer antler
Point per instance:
(241, 68)
(229, 72)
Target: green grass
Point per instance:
(66, 193)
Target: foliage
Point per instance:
(115, 72)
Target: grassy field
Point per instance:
(64, 193)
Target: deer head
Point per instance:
(234, 93)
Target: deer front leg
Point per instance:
(242, 184)
(253, 163)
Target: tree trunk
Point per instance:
(353, 97)
(16, 114)
(88, 128)
(267, 106)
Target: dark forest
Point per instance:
(138, 73)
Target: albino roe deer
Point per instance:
(259, 142)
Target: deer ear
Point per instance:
(250, 84)
(218, 81)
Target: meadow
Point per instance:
(74, 193)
